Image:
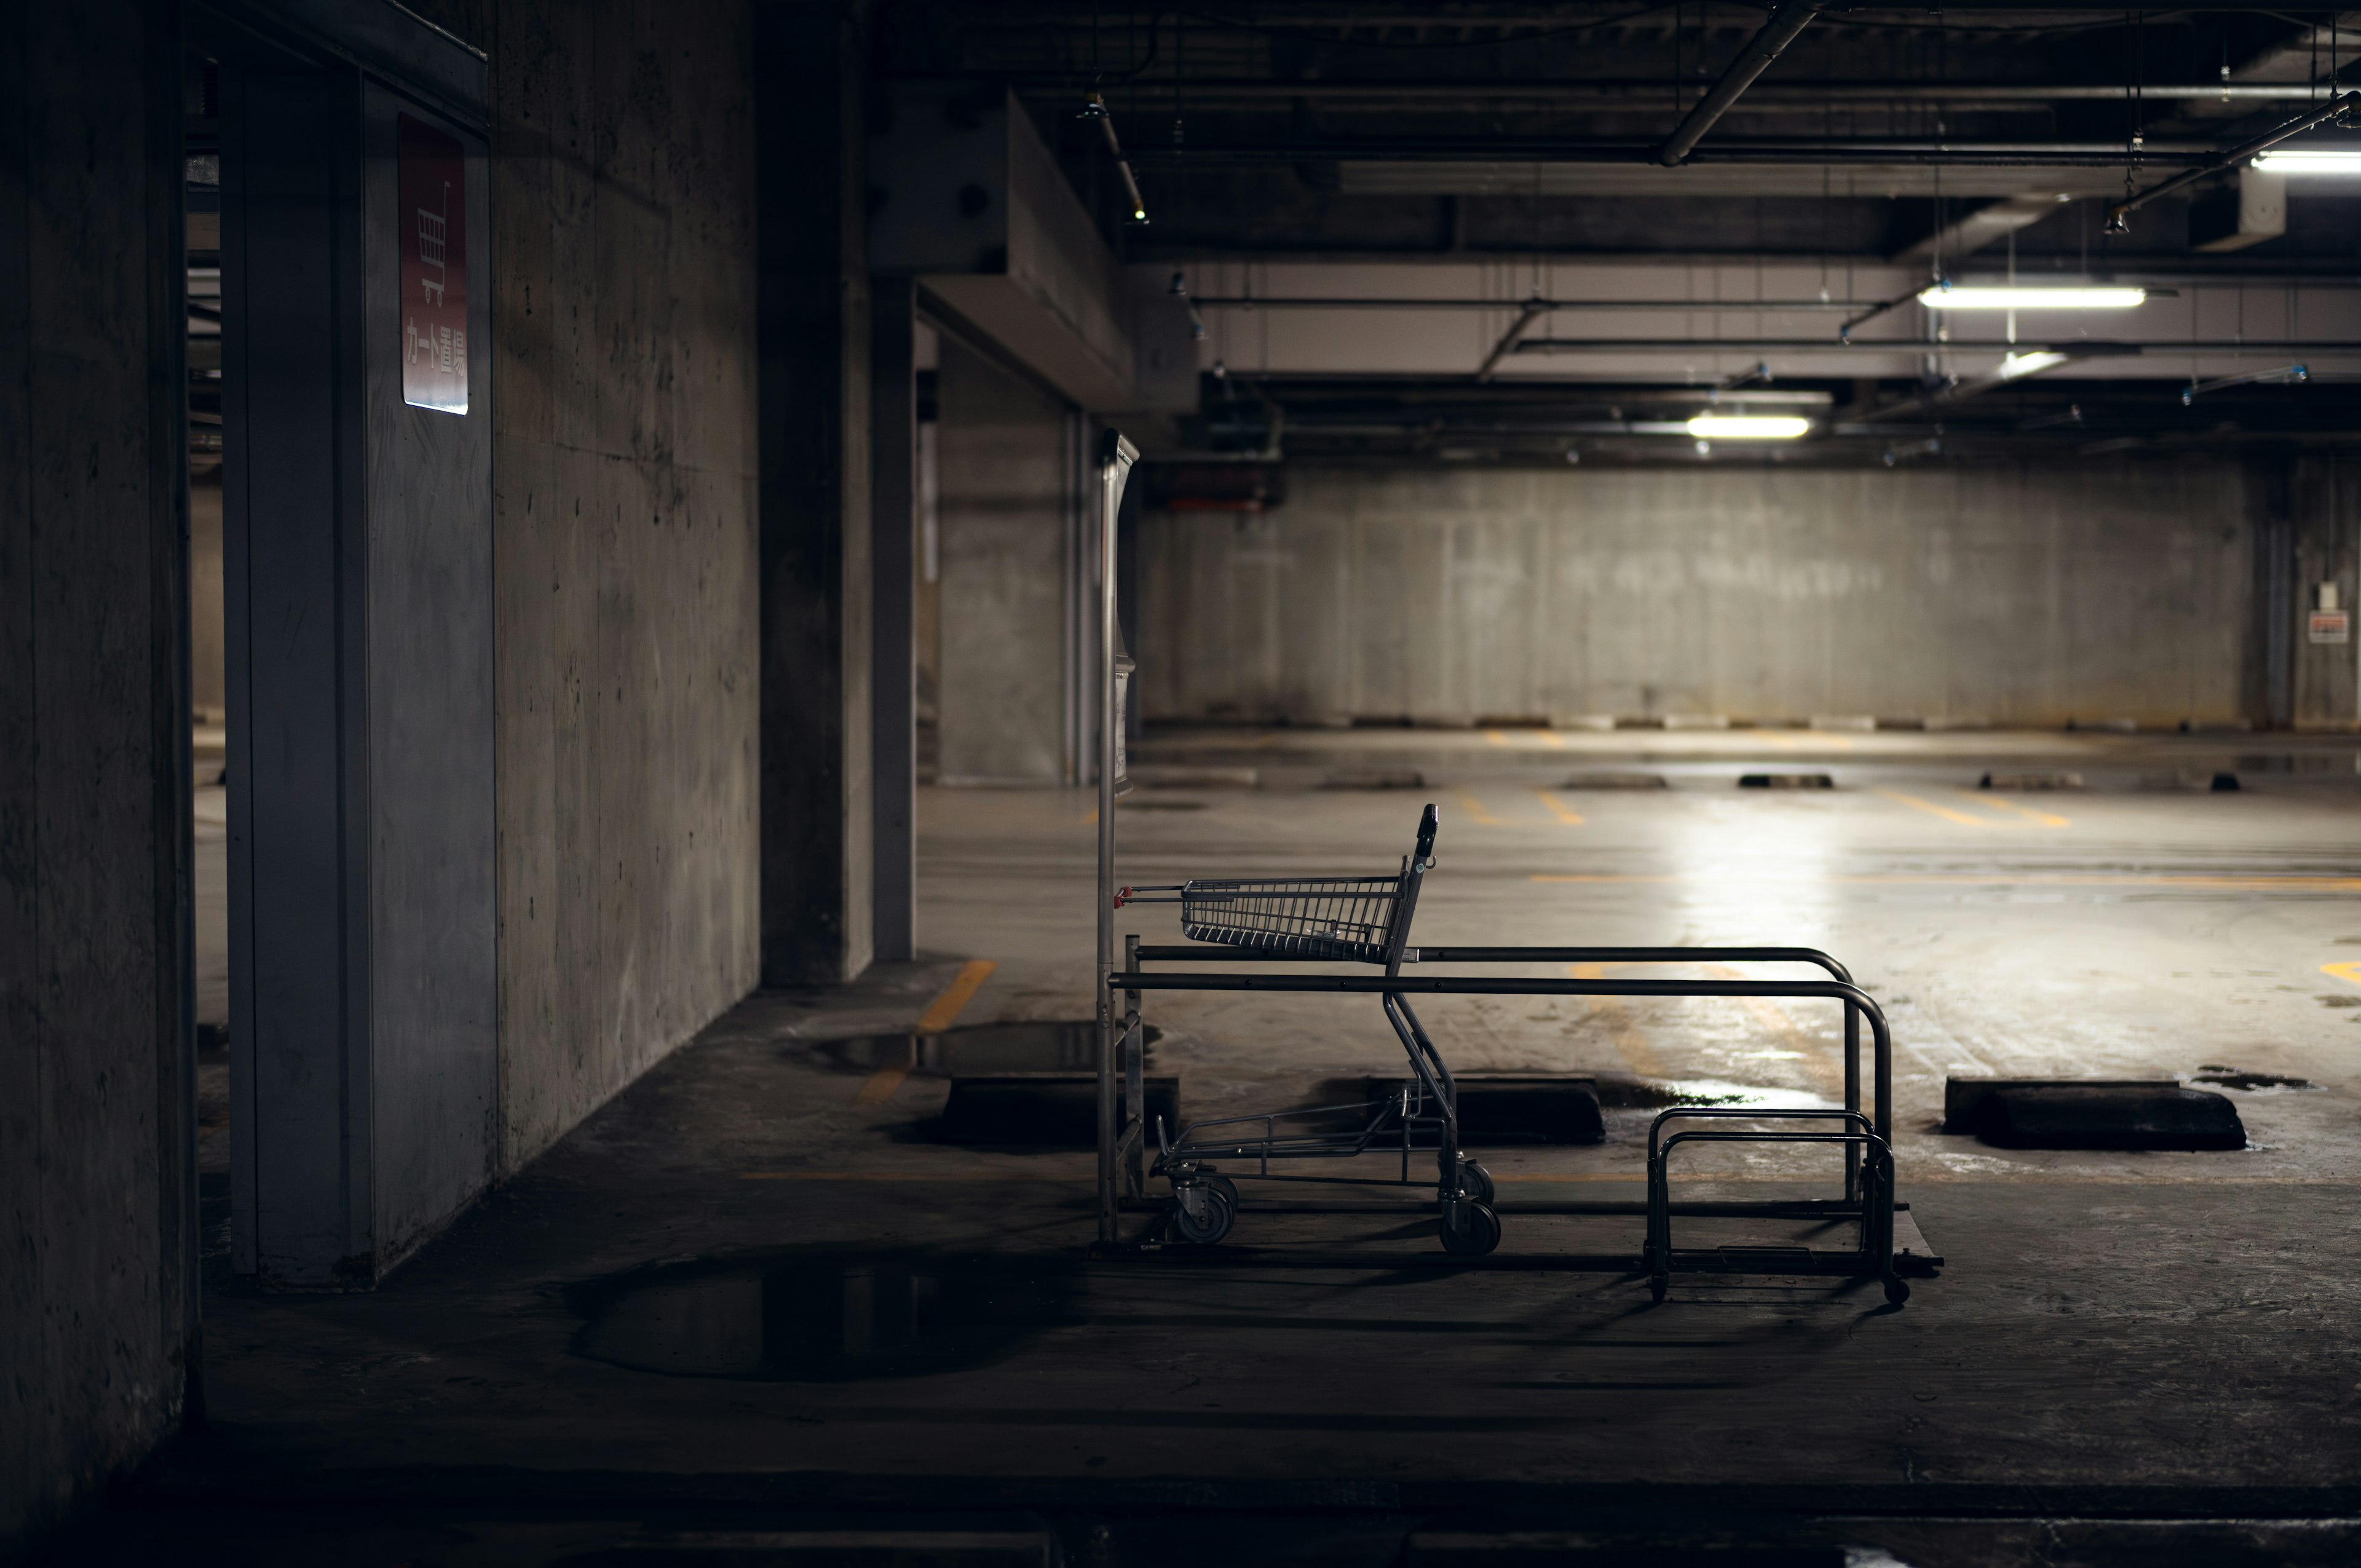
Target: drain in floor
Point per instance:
(818, 1317)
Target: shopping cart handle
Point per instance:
(1427, 824)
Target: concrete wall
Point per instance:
(624, 546)
(1003, 470)
(2016, 596)
(97, 1319)
(2323, 505)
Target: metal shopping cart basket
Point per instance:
(1346, 919)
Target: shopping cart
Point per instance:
(1342, 920)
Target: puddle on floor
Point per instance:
(815, 1317)
(1051, 1047)
(2232, 1078)
(1645, 1095)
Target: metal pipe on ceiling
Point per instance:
(1779, 151)
(1785, 22)
(1916, 345)
(2335, 108)
(1764, 95)
(1528, 314)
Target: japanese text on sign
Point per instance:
(433, 229)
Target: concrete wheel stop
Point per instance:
(2110, 1114)
(1044, 1110)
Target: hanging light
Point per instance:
(1749, 427)
(2017, 367)
(2032, 297)
(2309, 160)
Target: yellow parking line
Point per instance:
(1559, 809)
(2045, 818)
(945, 1010)
(1475, 808)
(940, 1014)
(1813, 1053)
(1620, 1029)
(1548, 738)
(2349, 971)
(1928, 806)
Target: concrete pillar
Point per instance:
(358, 547)
(894, 433)
(98, 1294)
(1006, 489)
(815, 496)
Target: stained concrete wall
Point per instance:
(624, 540)
(97, 1317)
(2010, 596)
(2324, 507)
(1003, 484)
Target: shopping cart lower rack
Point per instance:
(1368, 920)
(1353, 920)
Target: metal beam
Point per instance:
(1533, 311)
(1963, 236)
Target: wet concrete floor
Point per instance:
(752, 1283)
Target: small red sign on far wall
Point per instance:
(433, 227)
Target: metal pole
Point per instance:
(1753, 60)
(1116, 458)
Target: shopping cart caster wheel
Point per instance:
(1897, 1291)
(1476, 1179)
(1213, 1224)
(1470, 1230)
(1223, 1185)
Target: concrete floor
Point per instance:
(2120, 1345)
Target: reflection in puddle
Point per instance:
(2232, 1078)
(981, 1048)
(818, 1317)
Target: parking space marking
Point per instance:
(940, 1014)
(1559, 809)
(2047, 819)
(1945, 812)
(1818, 1058)
(1620, 1027)
(1475, 809)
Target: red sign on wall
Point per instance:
(433, 226)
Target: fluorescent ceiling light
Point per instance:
(2311, 160)
(1748, 427)
(2004, 298)
(2018, 366)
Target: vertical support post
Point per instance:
(893, 551)
(1135, 1086)
(1852, 1097)
(1116, 458)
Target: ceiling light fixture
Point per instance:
(1748, 427)
(2017, 367)
(2083, 296)
(2311, 160)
